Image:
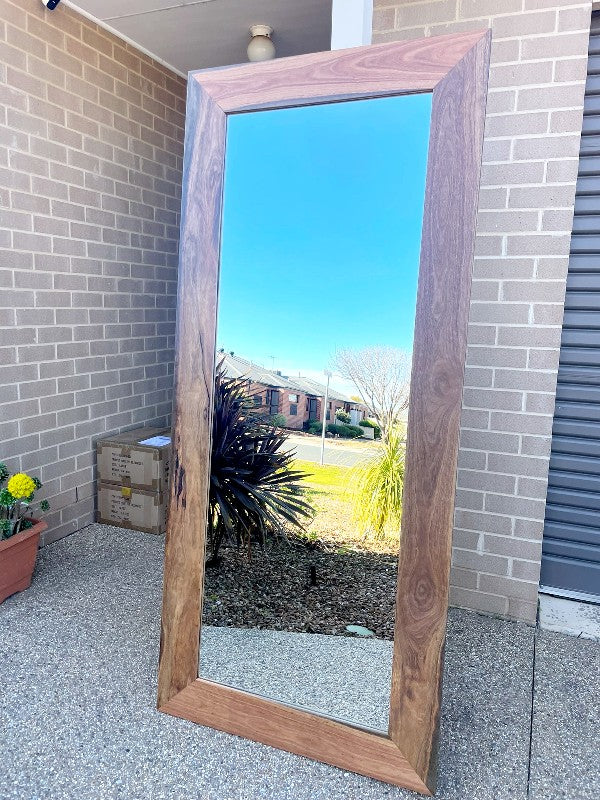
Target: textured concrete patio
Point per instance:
(77, 718)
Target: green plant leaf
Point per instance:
(6, 498)
(378, 484)
(254, 490)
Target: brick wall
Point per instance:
(537, 78)
(91, 134)
(296, 420)
(261, 390)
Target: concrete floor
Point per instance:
(77, 719)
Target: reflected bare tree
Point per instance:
(381, 375)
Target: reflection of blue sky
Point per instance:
(321, 229)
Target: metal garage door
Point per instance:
(571, 547)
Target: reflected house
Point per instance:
(336, 401)
(298, 399)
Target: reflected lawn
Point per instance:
(329, 489)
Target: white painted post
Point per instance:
(351, 23)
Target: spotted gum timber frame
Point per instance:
(454, 68)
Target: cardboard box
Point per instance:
(138, 459)
(126, 507)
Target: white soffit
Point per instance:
(197, 34)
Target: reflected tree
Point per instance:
(381, 375)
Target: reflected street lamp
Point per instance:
(324, 428)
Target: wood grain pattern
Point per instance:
(194, 368)
(456, 138)
(290, 728)
(376, 70)
(455, 67)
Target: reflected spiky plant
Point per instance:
(254, 490)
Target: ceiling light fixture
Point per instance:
(261, 48)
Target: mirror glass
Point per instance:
(320, 246)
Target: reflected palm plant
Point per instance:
(254, 490)
(378, 489)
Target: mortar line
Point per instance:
(535, 635)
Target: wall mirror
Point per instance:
(328, 225)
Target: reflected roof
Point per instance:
(238, 367)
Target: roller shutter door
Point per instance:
(571, 546)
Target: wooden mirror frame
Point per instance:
(454, 68)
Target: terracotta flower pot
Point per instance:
(17, 559)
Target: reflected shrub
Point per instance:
(368, 423)
(345, 431)
(278, 421)
(343, 417)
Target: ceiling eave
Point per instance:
(101, 24)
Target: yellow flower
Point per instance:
(20, 485)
